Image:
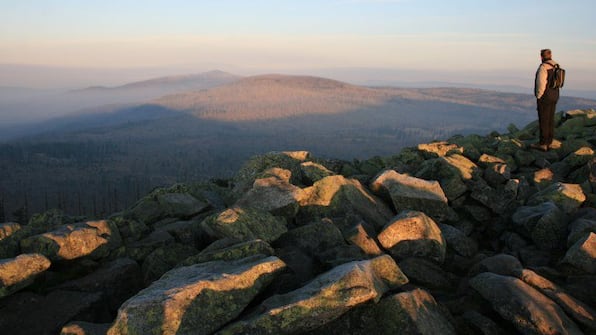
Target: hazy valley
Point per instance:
(101, 158)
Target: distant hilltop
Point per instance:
(151, 88)
(473, 234)
(179, 82)
(278, 96)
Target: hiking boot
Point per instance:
(541, 147)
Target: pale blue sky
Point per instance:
(470, 35)
(90, 18)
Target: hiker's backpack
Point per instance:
(558, 77)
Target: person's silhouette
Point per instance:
(547, 98)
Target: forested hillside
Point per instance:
(98, 163)
(479, 234)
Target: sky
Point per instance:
(471, 40)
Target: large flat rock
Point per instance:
(196, 299)
(413, 234)
(93, 239)
(324, 299)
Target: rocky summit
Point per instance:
(471, 235)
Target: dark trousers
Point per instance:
(546, 119)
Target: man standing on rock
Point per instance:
(547, 98)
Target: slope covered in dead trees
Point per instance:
(473, 235)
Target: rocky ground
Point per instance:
(474, 235)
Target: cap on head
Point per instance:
(545, 53)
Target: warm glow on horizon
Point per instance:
(263, 36)
(414, 51)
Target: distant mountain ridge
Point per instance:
(176, 82)
(27, 106)
(149, 89)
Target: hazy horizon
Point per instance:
(67, 78)
(66, 44)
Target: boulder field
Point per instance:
(471, 235)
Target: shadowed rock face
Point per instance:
(454, 173)
(501, 264)
(336, 195)
(244, 224)
(26, 313)
(545, 224)
(579, 311)
(526, 308)
(458, 241)
(84, 328)
(583, 254)
(169, 203)
(412, 193)
(117, 281)
(579, 228)
(494, 238)
(252, 169)
(314, 172)
(196, 299)
(230, 253)
(413, 312)
(163, 259)
(273, 195)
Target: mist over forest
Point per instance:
(101, 148)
